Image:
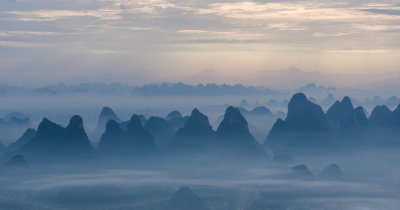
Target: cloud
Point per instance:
(53, 15)
(27, 33)
(193, 31)
(383, 11)
(285, 27)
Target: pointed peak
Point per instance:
(195, 112)
(233, 122)
(382, 108)
(46, 122)
(232, 112)
(107, 113)
(106, 109)
(347, 101)
(76, 121)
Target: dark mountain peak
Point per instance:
(340, 112)
(383, 109)
(75, 122)
(382, 116)
(347, 102)
(48, 126)
(345, 107)
(235, 135)
(184, 198)
(233, 122)
(232, 113)
(53, 141)
(174, 114)
(331, 172)
(196, 112)
(107, 111)
(301, 172)
(305, 114)
(197, 123)
(298, 98)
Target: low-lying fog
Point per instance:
(371, 181)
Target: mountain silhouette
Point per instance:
(143, 141)
(174, 114)
(385, 123)
(381, 116)
(106, 114)
(176, 120)
(347, 124)
(331, 172)
(305, 127)
(124, 124)
(258, 111)
(340, 111)
(234, 135)
(28, 135)
(161, 130)
(113, 139)
(301, 172)
(196, 134)
(56, 142)
(185, 199)
(135, 141)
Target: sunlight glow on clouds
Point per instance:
(182, 38)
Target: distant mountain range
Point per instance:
(256, 83)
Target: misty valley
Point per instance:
(294, 153)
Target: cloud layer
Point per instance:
(165, 40)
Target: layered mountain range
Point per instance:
(306, 128)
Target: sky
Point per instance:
(139, 42)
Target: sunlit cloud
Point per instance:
(285, 27)
(26, 33)
(53, 15)
(193, 31)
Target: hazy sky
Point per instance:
(138, 41)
